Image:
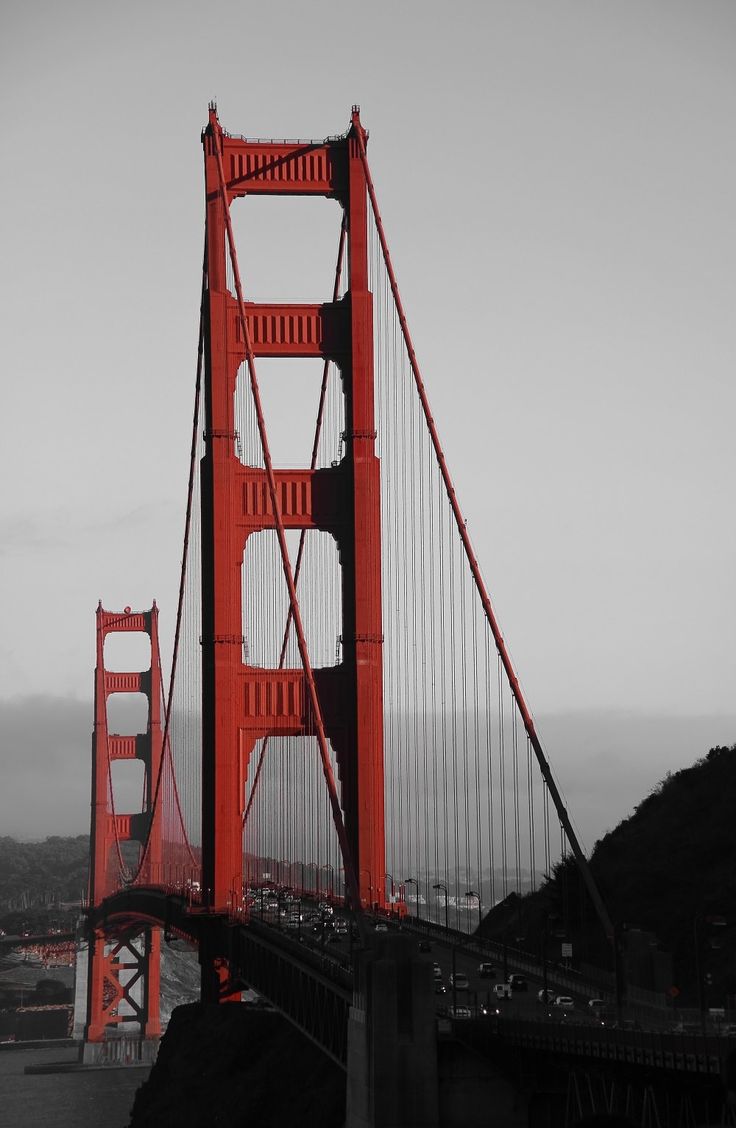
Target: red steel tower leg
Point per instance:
(241, 703)
(123, 972)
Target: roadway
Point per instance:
(332, 932)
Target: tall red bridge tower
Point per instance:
(242, 703)
(123, 975)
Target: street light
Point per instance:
(472, 893)
(543, 957)
(280, 893)
(441, 885)
(330, 887)
(704, 978)
(370, 886)
(413, 881)
(390, 876)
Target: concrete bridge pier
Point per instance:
(392, 1038)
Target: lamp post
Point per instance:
(279, 897)
(330, 887)
(545, 986)
(472, 893)
(390, 876)
(714, 942)
(441, 885)
(413, 881)
(370, 886)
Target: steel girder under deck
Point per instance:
(311, 990)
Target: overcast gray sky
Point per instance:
(558, 184)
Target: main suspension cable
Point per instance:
(168, 703)
(513, 680)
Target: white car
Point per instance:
(565, 1002)
(459, 1012)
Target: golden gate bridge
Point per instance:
(342, 716)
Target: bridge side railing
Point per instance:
(653, 1049)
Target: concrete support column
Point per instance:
(392, 1038)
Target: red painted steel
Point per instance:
(289, 330)
(106, 989)
(315, 707)
(240, 703)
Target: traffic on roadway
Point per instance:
(465, 985)
(468, 981)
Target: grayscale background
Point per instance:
(558, 184)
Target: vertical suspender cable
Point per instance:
(302, 535)
(182, 587)
(544, 766)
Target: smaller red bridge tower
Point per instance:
(123, 972)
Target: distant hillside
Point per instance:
(669, 869)
(676, 856)
(42, 874)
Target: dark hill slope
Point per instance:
(666, 869)
(674, 859)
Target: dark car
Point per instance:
(517, 983)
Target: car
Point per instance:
(459, 981)
(437, 971)
(545, 997)
(486, 970)
(379, 926)
(564, 1002)
(517, 983)
(459, 1012)
(502, 990)
(596, 1004)
(341, 928)
(439, 987)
